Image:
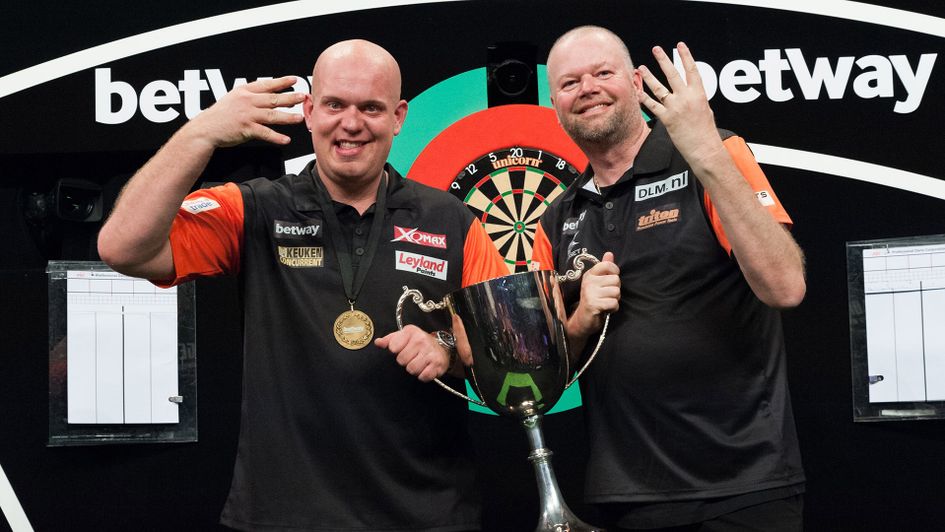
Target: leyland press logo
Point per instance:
(416, 236)
(429, 266)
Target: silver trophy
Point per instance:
(509, 335)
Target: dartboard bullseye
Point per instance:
(508, 189)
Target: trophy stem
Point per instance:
(555, 514)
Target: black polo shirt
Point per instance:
(688, 398)
(332, 438)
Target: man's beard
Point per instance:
(614, 129)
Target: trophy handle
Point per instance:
(575, 274)
(428, 306)
(572, 275)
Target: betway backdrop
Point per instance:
(840, 101)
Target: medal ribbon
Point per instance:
(352, 282)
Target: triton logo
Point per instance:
(671, 183)
(293, 229)
(198, 205)
(657, 217)
(302, 257)
(416, 236)
(429, 266)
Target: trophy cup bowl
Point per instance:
(509, 334)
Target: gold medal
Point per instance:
(353, 329)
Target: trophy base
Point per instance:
(555, 514)
(570, 525)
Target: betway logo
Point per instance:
(429, 266)
(162, 100)
(418, 237)
(295, 229)
(872, 76)
(738, 81)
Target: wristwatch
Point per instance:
(448, 342)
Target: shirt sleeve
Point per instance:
(542, 258)
(207, 233)
(751, 171)
(481, 259)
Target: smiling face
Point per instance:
(594, 88)
(354, 112)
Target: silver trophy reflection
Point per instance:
(509, 335)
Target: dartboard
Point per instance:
(507, 164)
(508, 189)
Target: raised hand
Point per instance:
(246, 112)
(683, 106)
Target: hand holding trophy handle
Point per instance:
(572, 275)
(428, 306)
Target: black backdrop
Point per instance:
(879, 476)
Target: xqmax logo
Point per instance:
(416, 236)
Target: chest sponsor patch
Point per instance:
(571, 225)
(199, 205)
(283, 229)
(657, 189)
(574, 247)
(302, 256)
(416, 236)
(429, 266)
(666, 214)
(764, 197)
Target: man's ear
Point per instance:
(400, 115)
(308, 104)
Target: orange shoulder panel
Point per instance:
(542, 258)
(207, 233)
(481, 259)
(755, 176)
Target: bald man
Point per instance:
(337, 433)
(688, 413)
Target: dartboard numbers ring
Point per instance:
(508, 189)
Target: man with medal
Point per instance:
(335, 434)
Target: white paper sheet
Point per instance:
(121, 350)
(905, 313)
